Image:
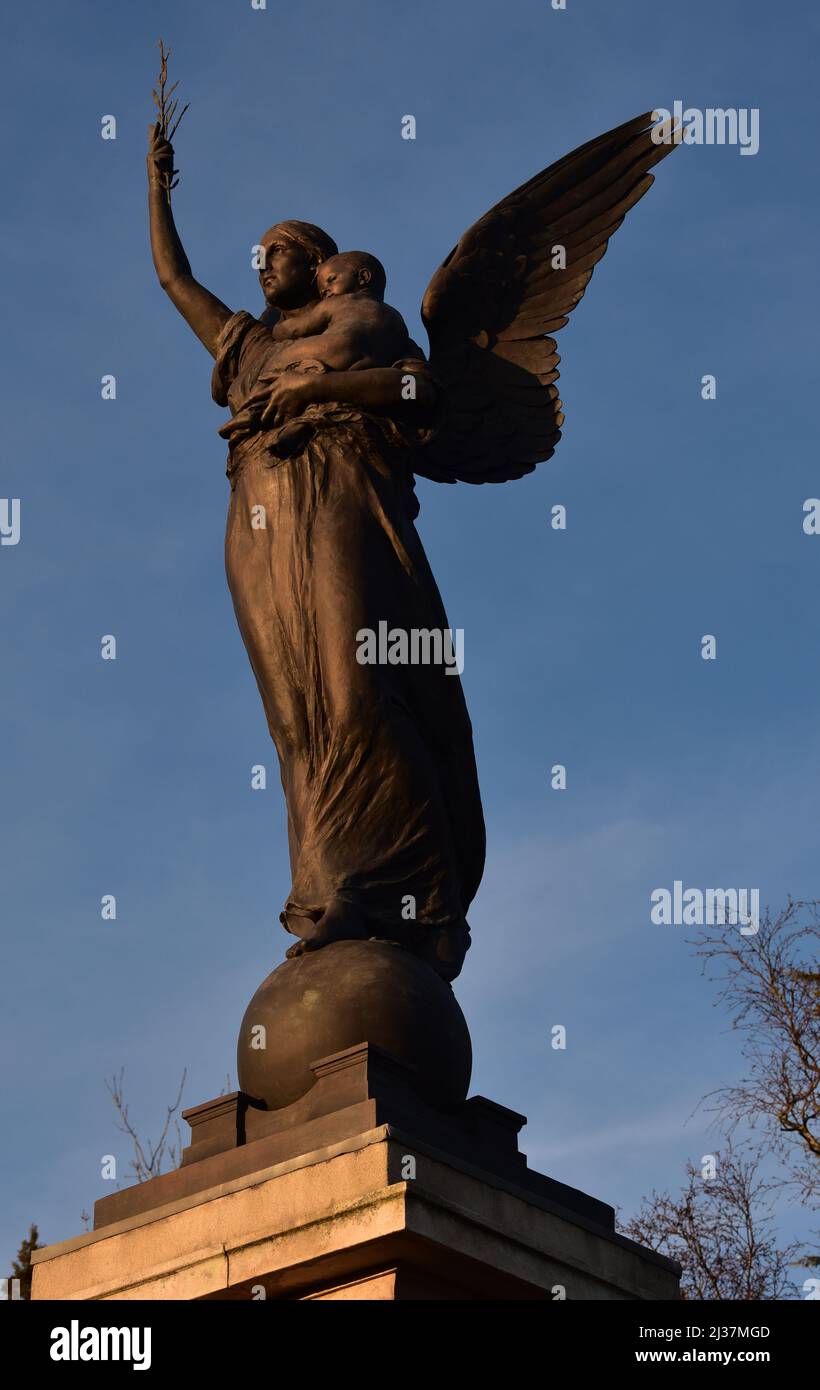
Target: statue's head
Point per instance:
(293, 253)
(352, 272)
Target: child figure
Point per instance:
(350, 328)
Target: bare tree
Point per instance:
(148, 1158)
(720, 1230)
(770, 984)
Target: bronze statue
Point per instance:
(334, 409)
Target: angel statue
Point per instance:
(334, 409)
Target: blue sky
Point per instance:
(583, 648)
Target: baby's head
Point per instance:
(352, 272)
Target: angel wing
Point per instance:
(502, 289)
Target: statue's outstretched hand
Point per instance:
(160, 158)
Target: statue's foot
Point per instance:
(340, 922)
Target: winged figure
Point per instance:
(510, 283)
(333, 410)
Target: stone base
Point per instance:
(358, 1191)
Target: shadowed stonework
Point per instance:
(357, 1191)
(333, 998)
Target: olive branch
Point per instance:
(166, 105)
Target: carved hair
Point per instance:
(315, 243)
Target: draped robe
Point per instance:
(376, 761)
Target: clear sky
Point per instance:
(132, 777)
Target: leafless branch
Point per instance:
(167, 111)
(149, 1158)
(770, 985)
(720, 1230)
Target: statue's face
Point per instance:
(339, 275)
(288, 276)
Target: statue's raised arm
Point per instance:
(205, 314)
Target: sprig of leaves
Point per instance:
(167, 106)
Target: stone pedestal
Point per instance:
(359, 1190)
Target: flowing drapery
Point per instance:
(376, 761)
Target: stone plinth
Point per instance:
(356, 1192)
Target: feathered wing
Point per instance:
(489, 308)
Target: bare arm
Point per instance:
(306, 324)
(205, 314)
(378, 390)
